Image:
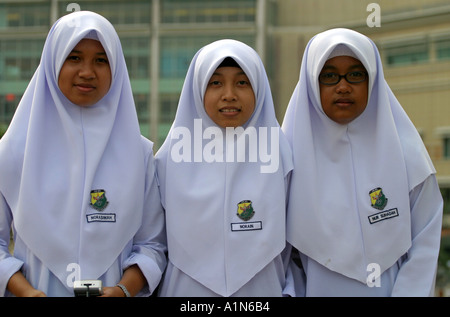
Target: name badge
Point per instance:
(246, 226)
(101, 217)
(391, 213)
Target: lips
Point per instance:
(229, 110)
(85, 87)
(343, 102)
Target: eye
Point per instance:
(357, 75)
(73, 58)
(102, 60)
(328, 76)
(243, 83)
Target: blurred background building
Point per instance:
(160, 37)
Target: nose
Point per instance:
(343, 86)
(229, 93)
(86, 71)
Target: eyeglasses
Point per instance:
(334, 78)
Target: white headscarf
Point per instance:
(205, 237)
(55, 153)
(330, 213)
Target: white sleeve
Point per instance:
(417, 273)
(8, 264)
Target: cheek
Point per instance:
(363, 95)
(208, 100)
(107, 77)
(253, 102)
(249, 100)
(107, 86)
(324, 96)
(62, 77)
(63, 84)
(106, 82)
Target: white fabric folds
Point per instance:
(55, 153)
(203, 182)
(330, 215)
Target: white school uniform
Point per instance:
(343, 238)
(57, 158)
(212, 252)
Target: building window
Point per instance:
(446, 147)
(178, 51)
(8, 104)
(117, 12)
(407, 54)
(207, 11)
(176, 55)
(17, 15)
(136, 52)
(443, 133)
(443, 49)
(446, 197)
(141, 103)
(169, 104)
(19, 59)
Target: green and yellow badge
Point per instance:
(245, 210)
(98, 199)
(377, 198)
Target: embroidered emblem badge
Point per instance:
(98, 199)
(245, 210)
(377, 198)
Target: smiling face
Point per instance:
(343, 102)
(229, 98)
(85, 76)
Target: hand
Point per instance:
(112, 292)
(20, 287)
(34, 293)
(132, 279)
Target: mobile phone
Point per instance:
(87, 288)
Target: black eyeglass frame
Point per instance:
(345, 76)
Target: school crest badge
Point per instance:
(377, 198)
(98, 199)
(245, 210)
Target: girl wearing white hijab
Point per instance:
(225, 214)
(77, 178)
(365, 208)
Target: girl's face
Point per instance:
(229, 98)
(85, 76)
(343, 102)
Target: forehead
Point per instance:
(88, 44)
(343, 62)
(228, 71)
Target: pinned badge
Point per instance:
(98, 199)
(377, 198)
(245, 210)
